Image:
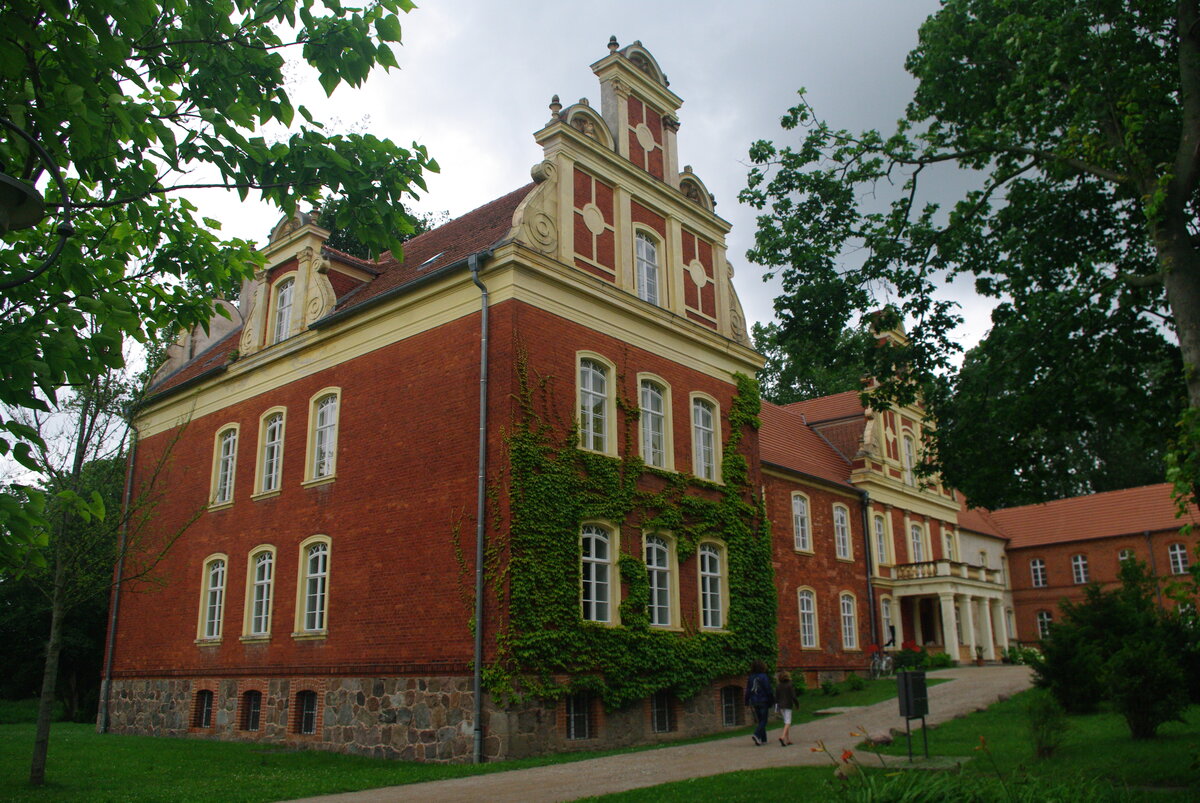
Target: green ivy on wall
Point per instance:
(552, 488)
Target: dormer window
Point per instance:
(647, 269)
(283, 310)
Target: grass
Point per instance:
(84, 765)
(1097, 761)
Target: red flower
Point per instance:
(873, 648)
(847, 755)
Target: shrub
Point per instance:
(830, 689)
(910, 656)
(940, 660)
(855, 683)
(1047, 722)
(1146, 686)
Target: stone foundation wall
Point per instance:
(413, 719)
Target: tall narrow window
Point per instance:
(881, 550)
(596, 571)
(889, 630)
(260, 605)
(306, 708)
(658, 565)
(808, 618)
(704, 452)
(948, 542)
(578, 708)
(910, 460)
(662, 718)
(711, 580)
(849, 623)
(1079, 568)
(1177, 554)
(1037, 572)
(283, 310)
(251, 710)
(593, 406)
(918, 543)
(272, 452)
(226, 466)
(841, 532)
(958, 623)
(214, 603)
(1043, 624)
(731, 706)
(202, 718)
(325, 437)
(653, 424)
(801, 526)
(316, 586)
(647, 269)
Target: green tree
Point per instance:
(1079, 123)
(1064, 396)
(133, 103)
(338, 216)
(815, 366)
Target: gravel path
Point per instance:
(970, 688)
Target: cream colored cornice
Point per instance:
(617, 65)
(810, 480)
(925, 503)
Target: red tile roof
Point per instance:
(978, 520)
(785, 441)
(1133, 510)
(475, 231)
(828, 408)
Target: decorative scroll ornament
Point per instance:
(252, 328)
(536, 219)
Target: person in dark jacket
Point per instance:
(759, 696)
(785, 701)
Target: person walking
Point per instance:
(759, 696)
(785, 701)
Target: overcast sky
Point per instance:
(476, 78)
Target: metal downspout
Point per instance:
(473, 262)
(115, 606)
(866, 521)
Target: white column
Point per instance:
(897, 621)
(918, 631)
(969, 625)
(949, 640)
(985, 622)
(999, 624)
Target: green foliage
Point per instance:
(1146, 686)
(911, 656)
(133, 102)
(1047, 722)
(1016, 654)
(553, 488)
(1070, 120)
(940, 660)
(337, 215)
(830, 689)
(855, 683)
(809, 365)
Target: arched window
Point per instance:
(263, 576)
(910, 460)
(807, 600)
(314, 585)
(214, 597)
(272, 452)
(704, 450)
(1037, 573)
(658, 567)
(596, 556)
(1177, 554)
(841, 532)
(226, 466)
(324, 437)
(712, 580)
(283, 310)
(653, 424)
(881, 550)
(593, 405)
(647, 268)
(849, 622)
(801, 525)
(948, 542)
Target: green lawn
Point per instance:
(1098, 761)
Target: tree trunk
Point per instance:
(41, 741)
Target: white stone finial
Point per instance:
(612, 44)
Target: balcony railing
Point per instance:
(945, 568)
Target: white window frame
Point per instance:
(1177, 557)
(948, 544)
(916, 541)
(224, 472)
(1125, 554)
(1037, 573)
(848, 607)
(810, 636)
(662, 572)
(648, 267)
(268, 472)
(599, 586)
(843, 549)
(324, 425)
(1079, 569)
(260, 592)
(214, 580)
(714, 588)
(1043, 619)
(313, 587)
(706, 437)
(879, 522)
(664, 456)
(909, 456)
(282, 303)
(595, 408)
(801, 522)
(577, 708)
(885, 619)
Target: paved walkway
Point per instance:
(970, 688)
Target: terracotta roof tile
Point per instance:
(785, 441)
(828, 408)
(1133, 510)
(978, 520)
(215, 355)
